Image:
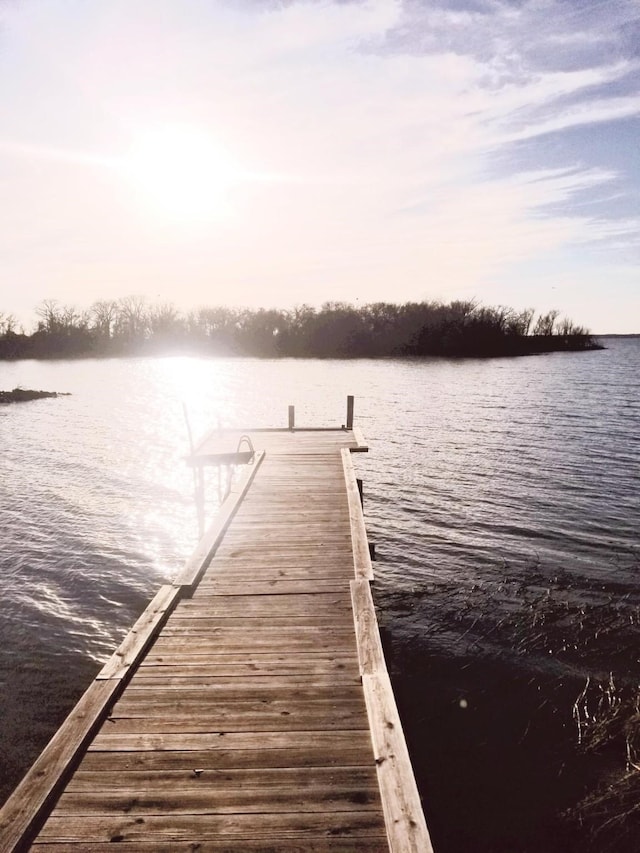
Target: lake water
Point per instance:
(502, 496)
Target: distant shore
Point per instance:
(131, 327)
(506, 349)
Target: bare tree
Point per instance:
(7, 324)
(520, 322)
(50, 315)
(164, 320)
(104, 313)
(132, 319)
(545, 323)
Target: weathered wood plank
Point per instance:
(276, 500)
(342, 620)
(241, 665)
(261, 631)
(291, 534)
(349, 754)
(176, 680)
(226, 698)
(370, 654)
(195, 796)
(279, 605)
(258, 565)
(229, 585)
(259, 568)
(169, 720)
(263, 660)
(268, 511)
(281, 778)
(203, 705)
(370, 844)
(360, 543)
(255, 742)
(325, 645)
(277, 543)
(265, 689)
(404, 817)
(208, 827)
(288, 552)
(323, 642)
(279, 496)
(223, 627)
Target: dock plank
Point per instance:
(223, 781)
(201, 798)
(211, 827)
(270, 719)
(370, 844)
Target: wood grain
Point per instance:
(359, 541)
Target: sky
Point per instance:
(269, 154)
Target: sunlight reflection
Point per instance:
(199, 384)
(47, 600)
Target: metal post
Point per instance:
(292, 417)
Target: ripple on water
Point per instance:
(497, 492)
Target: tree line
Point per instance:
(132, 326)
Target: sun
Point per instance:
(181, 173)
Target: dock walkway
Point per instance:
(250, 708)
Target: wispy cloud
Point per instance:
(393, 135)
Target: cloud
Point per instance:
(388, 138)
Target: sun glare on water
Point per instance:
(181, 173)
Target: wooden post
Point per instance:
(350, 411)
(360, 491)
(292, 417)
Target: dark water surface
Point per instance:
(502, 496)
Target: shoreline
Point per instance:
(515, 348)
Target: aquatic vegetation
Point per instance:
(533, 668)
(607, 716)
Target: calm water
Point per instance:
(503, 499)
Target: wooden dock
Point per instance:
(249, 708)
